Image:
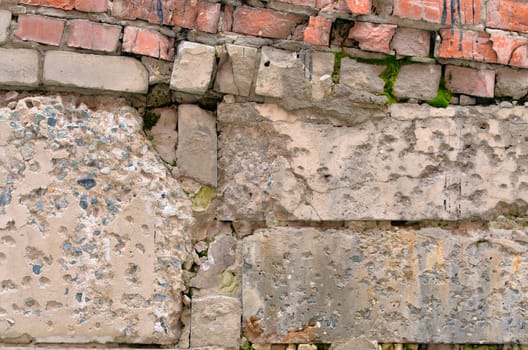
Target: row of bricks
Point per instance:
(493, 47)
(499, 14)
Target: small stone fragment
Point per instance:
(87, 183)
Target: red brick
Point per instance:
(91, 5)
(161, 11)
(208, 16)
(360, 7)
(469, 81)
(505, 43)
(61, 4)
(227, 18)
(323, 3)
(265, 22)
(439, 11)
(466, 44)
(41, 29)
(507, 14)
(94, 36)
(519, 57)
(185, 14)
(373, 36)
(148, 42)
(411, 42)
(318, 31)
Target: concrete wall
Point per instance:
(263, 175)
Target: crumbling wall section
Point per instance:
(263, 174)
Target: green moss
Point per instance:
(149, 120)
(443, 96)
(389, 75)
(203, 198)
(247, 346)
(229, 283)
(339, 55)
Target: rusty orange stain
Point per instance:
(516, 263)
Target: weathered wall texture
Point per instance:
(264, 175)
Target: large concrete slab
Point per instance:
(93, 229)
(114, 73)
(417, 162)
(19, 67)
(457, 284)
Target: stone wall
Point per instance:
(264, 174)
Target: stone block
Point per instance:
(164, 134)
(320, 70)
(215, 321)
(402, 285)
(420, 81)
(112, 73)
(411, 42)
(93, 234)
(511, 82)
(197, 144)
(19, 67)
(361, 76)
(278, 72)
(193, 68)
(5, 22)
(42, 29)
(301, 166)
(357, 343)
(469, 81)
(94, 36)
(236, 71)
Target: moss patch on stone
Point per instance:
(203, 198)
(229, 284)
(442, 98)
(339, 55)
(150, 119)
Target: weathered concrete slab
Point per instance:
(19, 67)
(458, 284)
(114, 73)
(418, 163)
(93, 229)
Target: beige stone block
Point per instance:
(193, 68)
(236, 73)
(19, 67)
(5, 22)
(114, 73)
(197, 144)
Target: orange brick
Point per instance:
(507, 14)
(519, 57)
(61, 4)
(94, 36)
(360, 7)
(91, 5)
(148, 42)
(265, 22)
(41, 29)
(373, 36)
(439, 11)
(466, 44)
(208, 16)
(318, 31)
(505, 44)
(227, 18)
